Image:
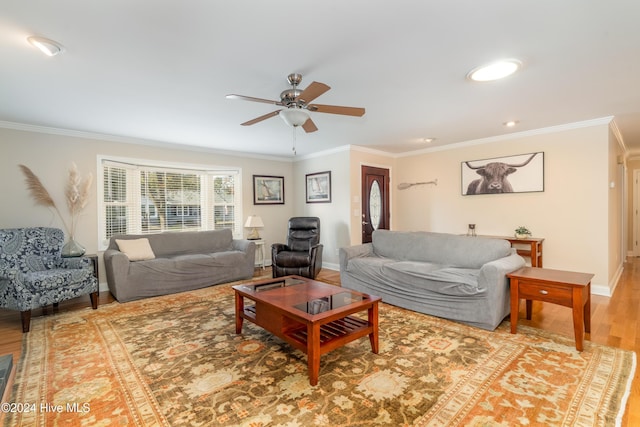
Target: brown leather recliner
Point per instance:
(302, 255)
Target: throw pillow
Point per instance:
(136, 249)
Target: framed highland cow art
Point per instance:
(522, 173)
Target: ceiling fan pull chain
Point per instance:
(294, 140)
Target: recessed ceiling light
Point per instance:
(494, 71)
(46, 46)
(428, 140)
(511, 123)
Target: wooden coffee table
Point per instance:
(312, 316)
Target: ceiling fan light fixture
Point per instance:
(46, 46)
(494, 71)
(294, 116)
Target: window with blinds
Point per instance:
(139, 198)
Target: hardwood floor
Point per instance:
(614, 322)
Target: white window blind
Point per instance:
(139, 198)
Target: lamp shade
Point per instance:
(294, 116)
(254, 221)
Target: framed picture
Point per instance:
(268, 190)
(523, 173)
(319, 187)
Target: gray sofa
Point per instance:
(451, 276)
(183, 261)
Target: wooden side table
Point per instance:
(94, 263)
(260, 248)
(96, 272)
(566, 288)
(535, 251)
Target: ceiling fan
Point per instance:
(297, 105)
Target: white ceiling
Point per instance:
(160, 69)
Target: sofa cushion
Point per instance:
(136, 249)
(425, 272)
(440, 248)
(415, 278)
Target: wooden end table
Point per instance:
(535, 247)
(312, 316)
(566, 288)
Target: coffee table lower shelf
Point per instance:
(336, 330)
(348, 326)
(315, 339)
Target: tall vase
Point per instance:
(72, 249)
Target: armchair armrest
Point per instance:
(316, 254)
(75, 262)
(279, 247)
(15, 295)
(10, 273)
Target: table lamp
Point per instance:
(254, 222)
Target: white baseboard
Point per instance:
(602, 290)
(331, 266)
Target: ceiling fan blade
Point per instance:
(336, 109)
(309, 126)
(314, 90)
(261, 118)
(251, 98)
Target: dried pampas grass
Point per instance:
(37, 190)
(77, 193)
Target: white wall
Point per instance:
(334, 216)
(616, 208)
(49, 157)
(578, 214)
(572, 213)
(632, 166)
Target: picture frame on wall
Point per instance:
(268, 190)
(318, 187)
(522, 173)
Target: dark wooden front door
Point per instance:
(375, 201)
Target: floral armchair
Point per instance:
(34, 274)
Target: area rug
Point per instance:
(176, 360)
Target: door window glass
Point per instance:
(375, 205)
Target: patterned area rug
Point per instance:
(175, 360)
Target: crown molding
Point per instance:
(372, 151)
(137, 141)
(516, 135)
(609, 120)
(322, 153)
(616, 131)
